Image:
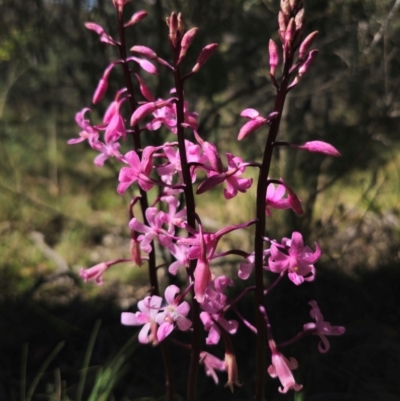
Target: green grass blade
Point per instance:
(86, 360)
(42, 369)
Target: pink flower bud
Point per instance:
(202, 276)
(120, 4)
(290, 32)
(186, 42)
(138, 16)
(100, 31)
(273, 56)
(211, 152)
(306, 44)
(135, 250)
(293, 4)
(100, 91)
(94, 27)
(181, 24)
(144, 51)
(294, 203)
(251, 126)
(145, 64)
(285, 7)
(282, 22)
(249, 113)
(307, 64)
(318, 147)
(172, 23)
(144, 110)
(299, 19)
(206, 52)
(102, 85)
(145, 90)
(210, 182)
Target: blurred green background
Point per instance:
(58, 212)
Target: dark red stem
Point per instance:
(144, 203)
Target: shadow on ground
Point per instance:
(362, 365)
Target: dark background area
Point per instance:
(58, 212)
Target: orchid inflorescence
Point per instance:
(171, 219)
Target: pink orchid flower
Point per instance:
(156, 220)
(256, 121)
(148, 308)
(180, 253)
(139, 170)
(232, 177)
(94, 273)
(275, 199)
(174, 312)
(213, 305)
(88, 132)
(212, 363)
(281, 368)
(293, 256)
(322, 328)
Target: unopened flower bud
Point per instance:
(299, 19)
(290, 32)
(120, 4)
(206, 52)
(294, 203)
(144, 51)
(138, 16)
(186, 41)
(282, 22)
(307, 64)
(100, 91)
(202, 276)
(210, 150)
(172, 23)
(285, 7)
(318, 147)
(273, 56)
(306, 44)
(135, 249)
(145, 90)
(181, 25)
(295, 4)
(102, 85)
(144, 110)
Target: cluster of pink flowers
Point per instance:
(191, 166)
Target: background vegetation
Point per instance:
(58, 212)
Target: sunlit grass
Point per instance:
(85, 221)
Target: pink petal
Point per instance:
(170, 293)
(145, 64)
(251, 126)
(129, 319)
(210, 182)
(164, 330)
(144, 51)
(249, 113)
(138, 16)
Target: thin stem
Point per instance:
(260, 230)
(191, 219)
(144, 203)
